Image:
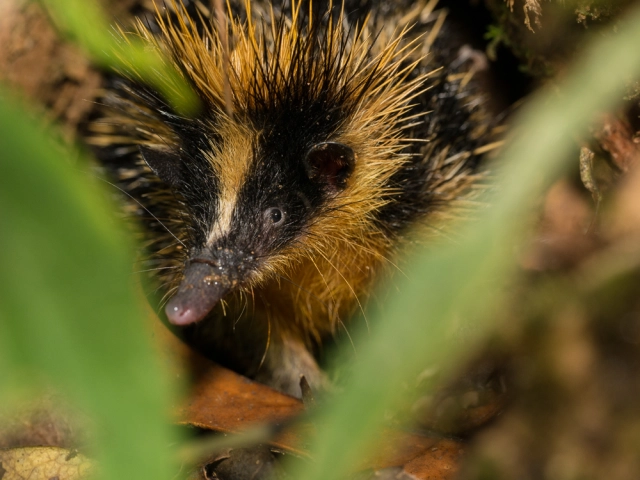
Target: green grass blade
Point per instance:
(68, 312)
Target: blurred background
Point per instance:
(539, 381)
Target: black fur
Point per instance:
(447, 121)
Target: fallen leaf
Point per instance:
(617, 137)
(220, 400)
(43, 463)
(440, 462)
(400, 448)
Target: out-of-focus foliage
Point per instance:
(69, 315)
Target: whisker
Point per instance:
(268, 344)
(300, 287)
(366, 321)
(142, 206)
(165, 298)
(346, 330)
(154, 269)
(244, 307)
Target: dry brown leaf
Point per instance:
(219, 399)
(617, 137)
(402, 449)
(440, 462)
(223, 401)
(43, 463)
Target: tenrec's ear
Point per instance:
(331, 164)
(164, 163)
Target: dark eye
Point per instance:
(274, 216)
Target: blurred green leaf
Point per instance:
(68, 313)
(86, 24)
(450, 283)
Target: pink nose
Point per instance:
(181, 315)
(198, 293)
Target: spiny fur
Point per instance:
(417, 132)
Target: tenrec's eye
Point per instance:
(275, 216)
